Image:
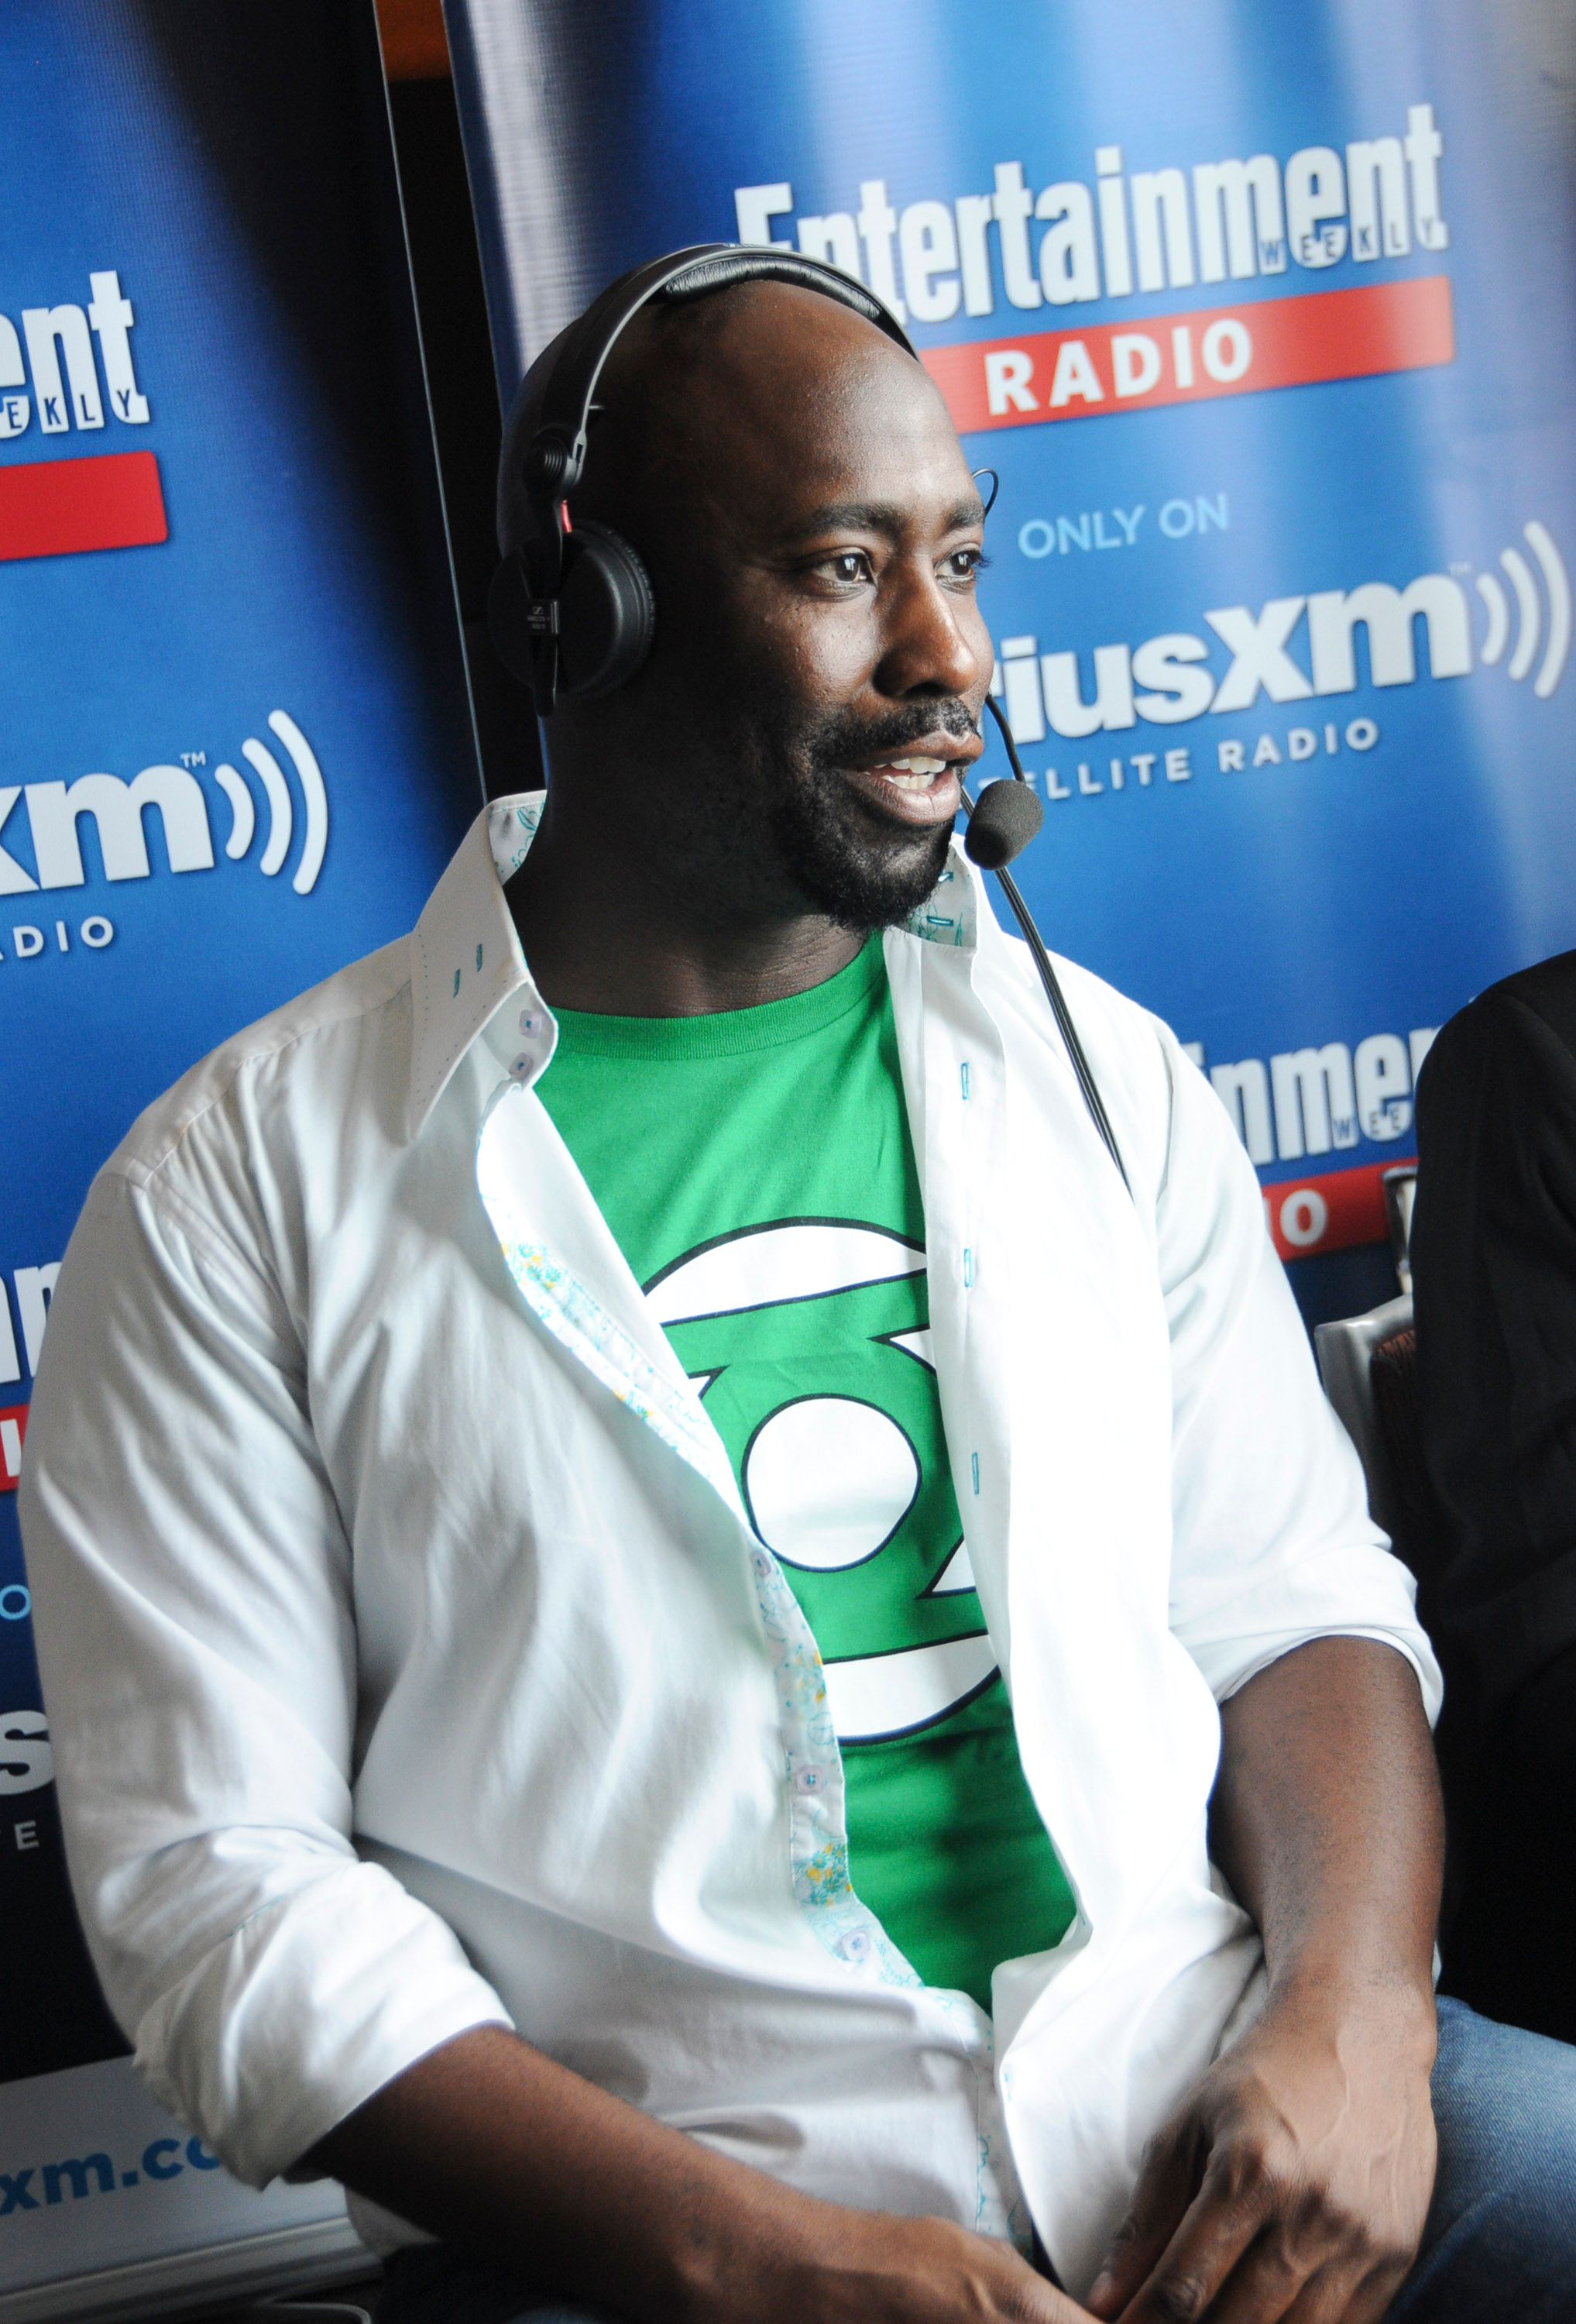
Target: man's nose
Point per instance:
(932, 642)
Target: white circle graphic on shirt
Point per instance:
(828, 1498)
(829, 1480)
(791, 1259)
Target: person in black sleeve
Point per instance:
(1494, 1265)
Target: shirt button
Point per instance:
(527, 1021)
(854, 1946)
(809, 1779)
(519, 1067)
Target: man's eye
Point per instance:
(964, 564)
(850, 564)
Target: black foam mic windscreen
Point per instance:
(1007, 816)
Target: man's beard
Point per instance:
(862, 875)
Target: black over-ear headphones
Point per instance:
(571, 609)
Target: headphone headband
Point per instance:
(692, 273)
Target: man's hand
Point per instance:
(1294, 2182)
(867, 2267)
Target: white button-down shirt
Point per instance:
(412, 1665)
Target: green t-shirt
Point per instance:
(756, 1169)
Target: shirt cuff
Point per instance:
(303, 2014)
(1411, 1644)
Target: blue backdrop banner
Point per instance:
(1266, 317)
(235, 751)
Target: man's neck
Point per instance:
(602, 931)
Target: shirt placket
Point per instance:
(567, 1307)
(666, 1402)
(953, 1053)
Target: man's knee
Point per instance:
(1499, 2241)
(431, 2284)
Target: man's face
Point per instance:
(821, 660)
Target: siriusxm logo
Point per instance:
(1168, 679)
(118, 810)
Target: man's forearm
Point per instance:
(489, 2144)
(1327, 1818)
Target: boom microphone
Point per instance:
(1001, 823)
(1005, 817)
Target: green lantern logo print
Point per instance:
(809, 1340)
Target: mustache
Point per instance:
(843, 736)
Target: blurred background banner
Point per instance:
(235, 752)
(1267, 318)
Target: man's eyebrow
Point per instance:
(882, 516)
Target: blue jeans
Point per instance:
(1500, 2247)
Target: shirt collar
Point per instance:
(467, 963)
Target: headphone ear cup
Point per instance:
(607, 614)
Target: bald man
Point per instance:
(684, 1644)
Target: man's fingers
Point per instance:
(1221, 2223)
(1272, 2281)
(1166, 2187)
(1059, 2308)
(1329, 2297)
(1039, 2302)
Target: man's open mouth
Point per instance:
(916, 772)
(920, 785)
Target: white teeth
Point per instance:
(916, 765)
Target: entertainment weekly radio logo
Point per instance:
(267, 819)
(1320, 1100)
(22, 1340)
(69, 369)
(1126, 233)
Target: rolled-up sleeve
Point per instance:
(192, 1595)
(1273, 1542)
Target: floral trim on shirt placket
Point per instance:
(506, 824)
(817, 1825)
(813, 1765)
(582, 1325)
(848, 1929)
(1000, 2208)
(818, 1840)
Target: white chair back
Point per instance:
(1345, 1351)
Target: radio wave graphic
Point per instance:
(276, 790)
(1529, 612)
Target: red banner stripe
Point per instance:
(1334, 1211)
(59, 508)
(1192, 358)
(12, 1436)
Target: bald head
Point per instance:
(705, 402)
